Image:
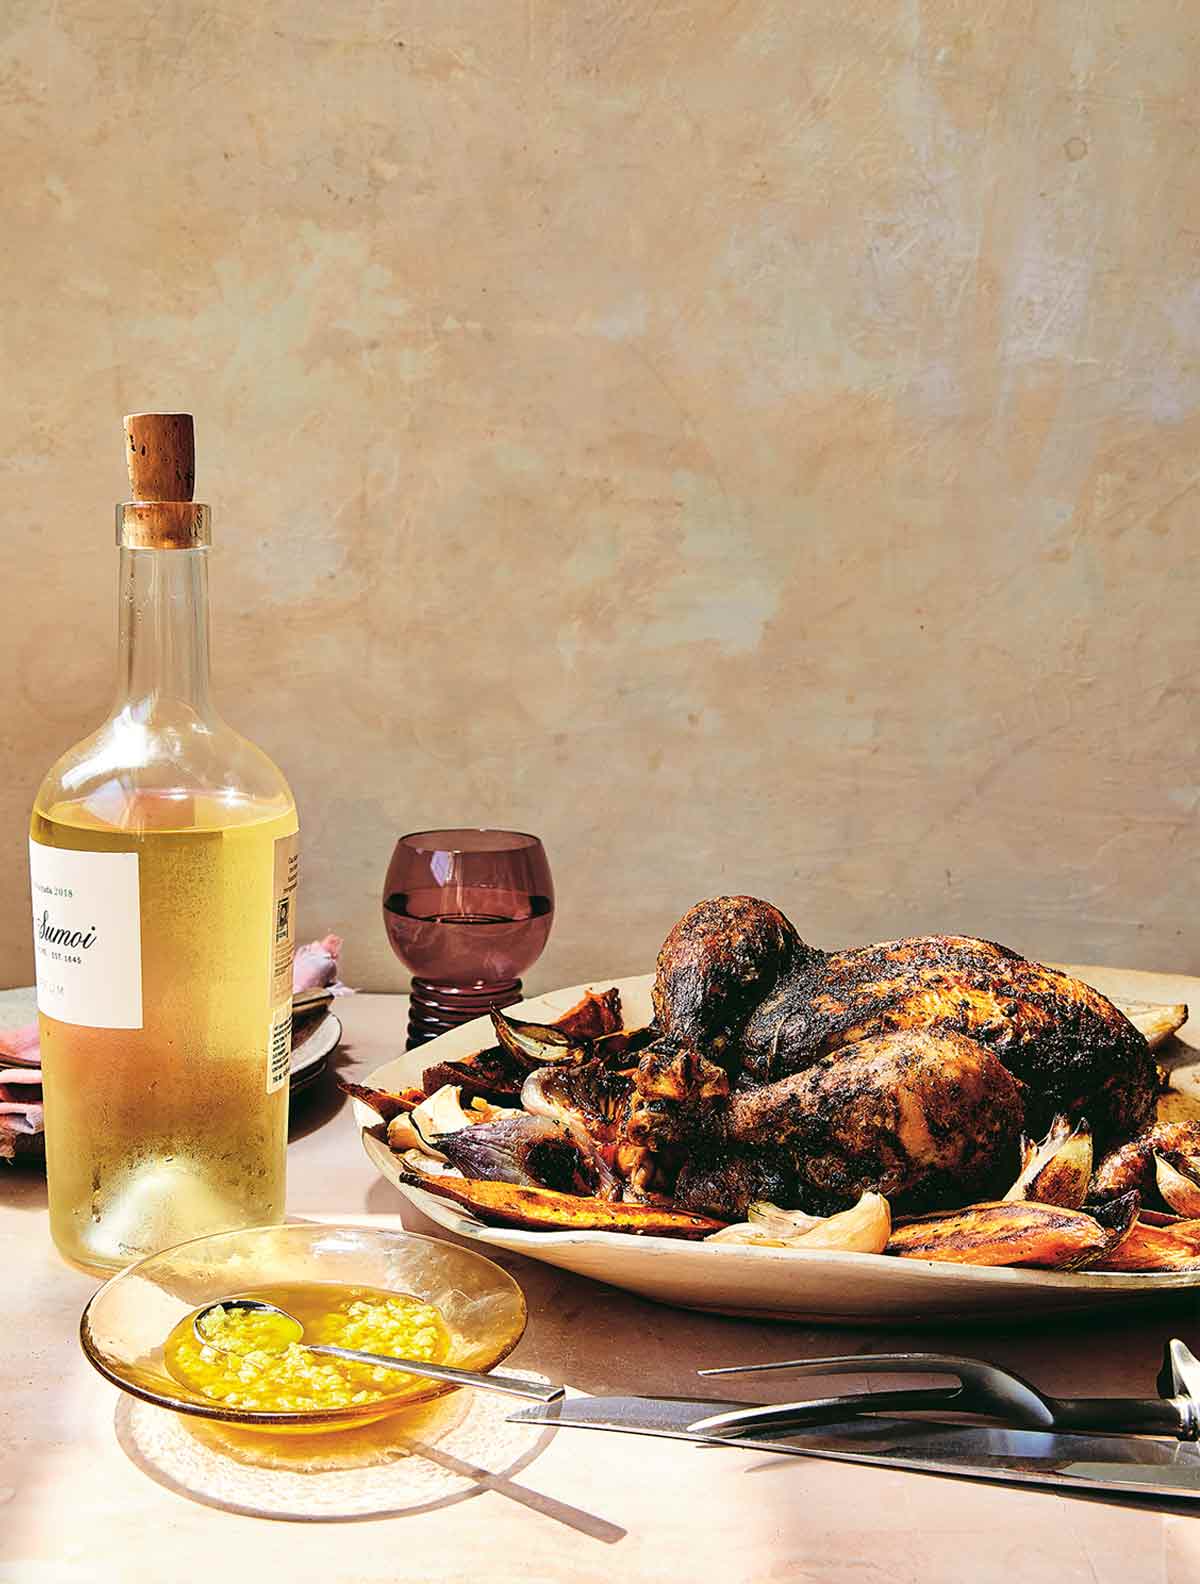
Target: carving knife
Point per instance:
(1145, 1466)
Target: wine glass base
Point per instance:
(435, 1008)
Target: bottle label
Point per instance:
(283, 946)
(279, 1049)
(87, 936)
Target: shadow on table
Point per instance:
(23, 1185)
(314, 1106)
(437, 1456)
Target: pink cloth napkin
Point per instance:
(316, 965)
(20, 1089)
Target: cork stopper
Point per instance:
(160, 451)
(161, 454)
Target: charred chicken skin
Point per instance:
(924, 1119)
(911, 1067)
(716, 965)
(1070, 1047)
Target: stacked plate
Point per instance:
(316, 1035)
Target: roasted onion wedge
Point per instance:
(529, 1151)
(1009, 1232)
(538, 1044)
(1155, 1248)
(1056, 1171)
(772, 1221)
(1157, 1020)
(1178, 1183)
(568, 1038)
(543, 1209)
(497, 1073)
(863, 1229)
(586, 1097)
(1117, 1216)
(768, 1226)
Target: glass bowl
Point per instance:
(128, 1319)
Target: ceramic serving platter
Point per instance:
(787, 1284)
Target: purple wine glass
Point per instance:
(468, 912)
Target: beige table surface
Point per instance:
(77, 1508)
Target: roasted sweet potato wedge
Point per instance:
(598, 1013)
(388, 1105)
(1159, 1218)
(493, 1075)
(1016, 1232)
(545, 1209)
(1155, 1248)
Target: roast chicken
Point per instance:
(776, 1071)
(786, 1072)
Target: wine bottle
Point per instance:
(163, 862)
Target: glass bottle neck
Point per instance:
(163, 664)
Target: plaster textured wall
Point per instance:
(754, 445)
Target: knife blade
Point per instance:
(1130, 1465)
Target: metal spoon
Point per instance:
(507, 1385)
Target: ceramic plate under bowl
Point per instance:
(128, 1320)
(787, 1284)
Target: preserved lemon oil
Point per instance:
(254, 1359)
(163, 859)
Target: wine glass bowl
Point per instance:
(467, 912)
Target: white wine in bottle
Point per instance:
(163, 858)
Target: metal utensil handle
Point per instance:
(814, 1411)
(852, 1364)
(506, 1385)
(985, 1388)
(1122, 1416)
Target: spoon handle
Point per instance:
(507, 1385)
